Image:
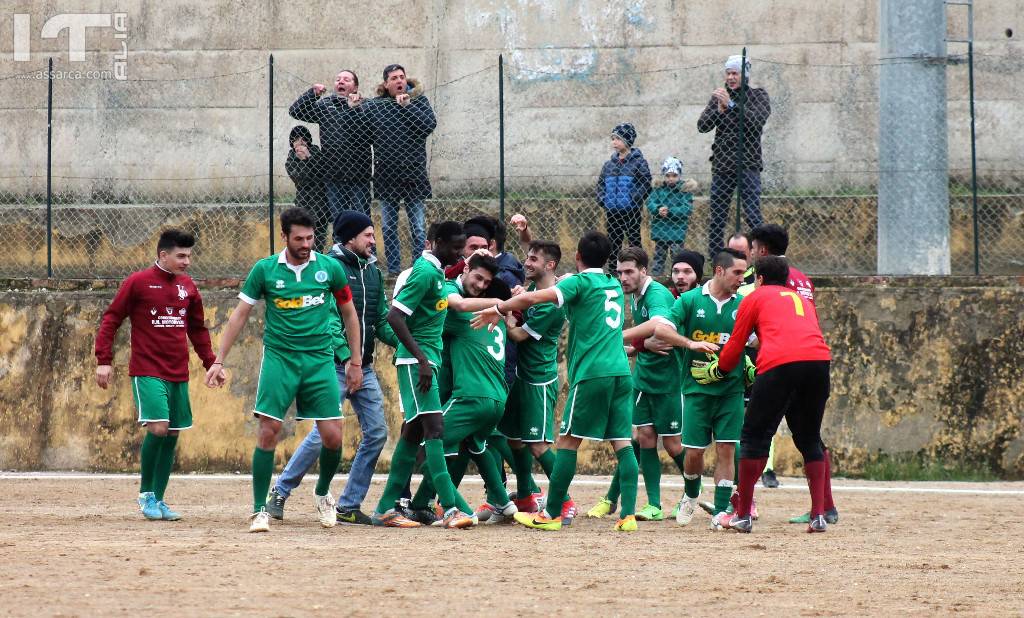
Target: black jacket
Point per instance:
(400, 145)
(345, 134)
(308, 176)
(368, 297)
(726, 125)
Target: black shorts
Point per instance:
(795, 391)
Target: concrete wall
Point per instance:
(575, 69)
(927, 365)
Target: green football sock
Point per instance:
(680, 460)
(150, 454)
(691, 485)
(524, 470)
(629, 470)
(164, 464)
(329, 460)
(402, 462)
(547, 462)
(651, 466)
(736, 465)
(424, 493)
(771, 456)
(496, 493)
(561, 476)
(723, 491)
(446, 492)
(613, 489)
(457, 466)
(262, 472)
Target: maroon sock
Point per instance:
(816, 481)
(750, 471)
(829, 505)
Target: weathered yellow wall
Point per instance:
(924, 365)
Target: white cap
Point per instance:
(672, 165)
(734, 63)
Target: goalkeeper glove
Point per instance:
(707, 373)
(749, 370)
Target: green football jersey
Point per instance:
(654, 373)
(594, 306)
(301, 314)
(419, 294)
(537, 362)
(477, 354)
(700, 317)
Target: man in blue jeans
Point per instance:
(736, 161)
(354, 235)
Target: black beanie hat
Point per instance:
(694, 259)
(349, 224)
(626, 133)
(300, 131)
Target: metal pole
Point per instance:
(913, 150)
(974, 159)
(49, 169)
(501, 137)
(270, 150)
(739, 150)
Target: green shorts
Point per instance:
(158, 400)
(413, 401)
(470, 420)
(530, 412)
(307, 378)
(705, 416)
(663, 411)
(599, 409)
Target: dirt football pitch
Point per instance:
(75, 545)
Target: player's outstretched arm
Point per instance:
(640, 331)
(458, 302)
(215, 376)
(490, 317)
(354, 367)
(669, 335)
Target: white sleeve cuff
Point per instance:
(401, 307)
(531, 332)
(558, 293)
(663, 320)
(246, 299)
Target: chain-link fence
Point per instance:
(699, 151)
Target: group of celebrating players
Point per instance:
(477, 372)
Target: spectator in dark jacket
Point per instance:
(305, 168)
(345, 139)
(728, 170)
(622, 189)
(402, 121)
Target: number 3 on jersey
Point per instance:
(498, 349)
(614, 317)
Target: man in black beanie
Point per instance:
(687, 271)
(354, 235)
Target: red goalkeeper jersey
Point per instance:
(786, 325)
(166, 311)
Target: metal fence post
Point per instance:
(740, 142)
(49, 169)
(270, 150)
(501, 137)
(974, 160)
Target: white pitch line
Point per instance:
(74, 476)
